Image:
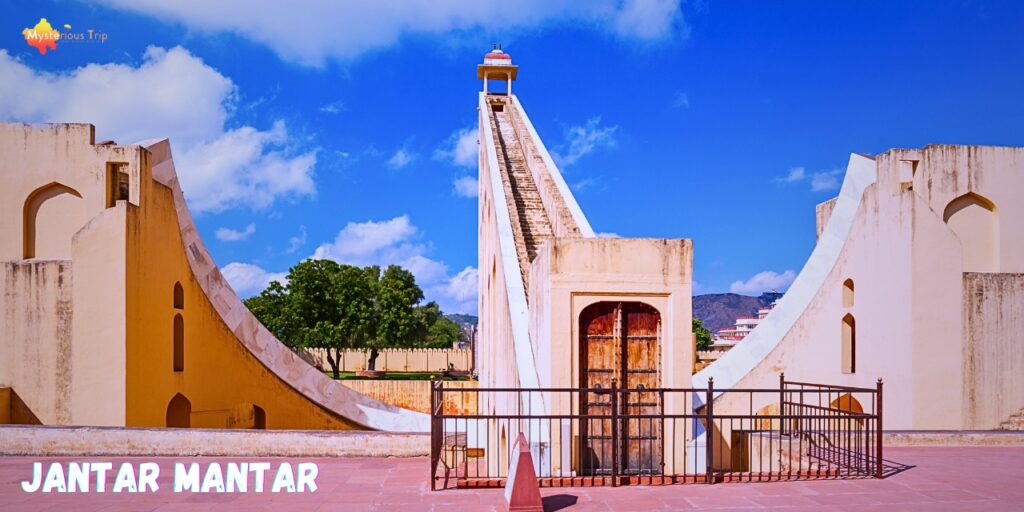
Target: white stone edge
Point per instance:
(41, 440)
(556, 175)
(261, 343)
(744, 357)
(520, 316)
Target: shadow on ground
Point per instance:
(558, 502)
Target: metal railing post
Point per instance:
(879, 468)
(709, 443)
(615, 433)
(435, 444)
(782, 404)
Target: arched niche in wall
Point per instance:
(52, 215)
(179, 412)
(179, 296)
(847, 403)
(848, 293)
(975, 221)
(179, 343)
(849, 344)
(259, 418)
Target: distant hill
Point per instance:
(718, 310)
(462, 319)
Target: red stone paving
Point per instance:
(953, 478)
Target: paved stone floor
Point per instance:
(962, 479)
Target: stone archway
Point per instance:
(51, 216)
(974, 220)
(179, 412)
(620, 341)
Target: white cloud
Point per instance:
(682, 100)
(396, 241)
(819, 181)
(467, 186)
(248, 280)
(461, 148)
(170, 94)
(763, 282)
(607, 234)
(583, 139)
(312, 31)
(296, 242)
(646, 19)
(458, 293)
(795, 174)
(585, 183)
(231, 235)
(244, 167)
(825, 180)
(334, 107)
(365, 243)
(401, 158)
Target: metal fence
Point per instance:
(655, 436)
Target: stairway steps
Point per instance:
(530, 223)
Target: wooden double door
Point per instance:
(620, 341)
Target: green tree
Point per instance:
(397, 296)
(314, 307)
(268, 307)
(335, 307)
(703, 335)
(443, 333)
(355, 291)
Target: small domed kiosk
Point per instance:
(497, 66)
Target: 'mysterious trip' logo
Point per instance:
(44, 37)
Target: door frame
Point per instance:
(620, 374)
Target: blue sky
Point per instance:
(302, 128)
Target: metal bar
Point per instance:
(615, 434)
(434, 434)
(782, 402)
(708, 439)
(832, 386)
(879, 469)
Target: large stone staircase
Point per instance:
(1015, 422)
(530, 223)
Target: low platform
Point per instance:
(156, 442)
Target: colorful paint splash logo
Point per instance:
(44, 37)
(41, 36)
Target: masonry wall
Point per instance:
(909, 300)
(87, 303)
(221, 379)
(415, 394)
(821, 214)
(62, 351)
(36, 307)
(393, 360)
(570, 274)
(993, 348)
(496, 352)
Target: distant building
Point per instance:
(724, 339)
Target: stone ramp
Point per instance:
(530, 224)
